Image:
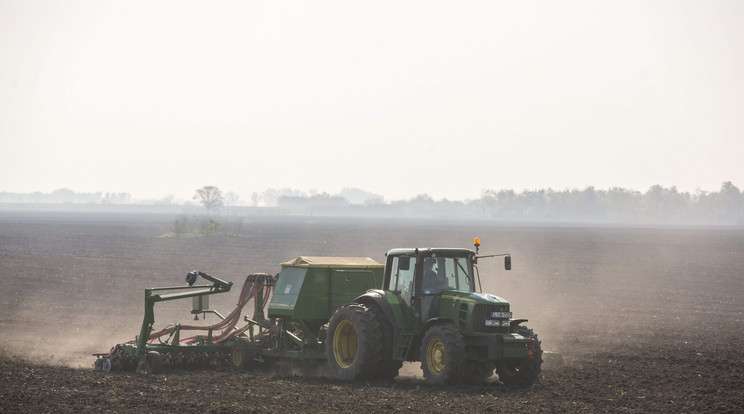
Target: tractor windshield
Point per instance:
(447, 273)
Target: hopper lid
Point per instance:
(326, 261)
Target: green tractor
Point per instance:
(430, 310)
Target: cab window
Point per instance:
(401, 278)
(446, 273)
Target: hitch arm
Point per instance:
(154, 295)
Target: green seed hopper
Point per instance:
(312, 288)
(308, 290)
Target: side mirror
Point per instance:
(404, 262)
(507, 262)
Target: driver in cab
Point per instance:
(433, 281)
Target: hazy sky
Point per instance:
(398, 98)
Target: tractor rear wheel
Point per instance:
(389, 367)
(244, 354)
(443, 355)
(525, 372)
(353, 345)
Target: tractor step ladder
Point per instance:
(404, 343)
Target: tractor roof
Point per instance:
(325, 261)
(427, 251)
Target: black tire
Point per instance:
(150, 364)
(353, 346)
(388, 368)
(522, 373)
(443, 355)
(243, 355)
(477, 372)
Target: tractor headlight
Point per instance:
(497, 323)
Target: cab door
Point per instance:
(402, 277)
(402, 282)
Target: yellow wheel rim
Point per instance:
(345, 344)
(436, 358)
(237, 357)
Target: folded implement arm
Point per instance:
(161, 294)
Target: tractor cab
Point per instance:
(426, 279)
(421, 276)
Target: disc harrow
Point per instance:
(209, 347)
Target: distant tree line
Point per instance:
(65, 196)
(615, 205)
(292, 197)
(618, 205)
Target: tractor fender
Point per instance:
(436, 321)
(378, 298)
(514, 325)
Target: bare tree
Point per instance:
(232, 198)
(210, 196)
(255, 199)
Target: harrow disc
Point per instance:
(106, 364)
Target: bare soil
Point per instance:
(645, 319)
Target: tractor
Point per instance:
(430, 310)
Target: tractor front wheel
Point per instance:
(443, 355)
(353, 345)
(525, 372)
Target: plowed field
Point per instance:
(645, 319)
